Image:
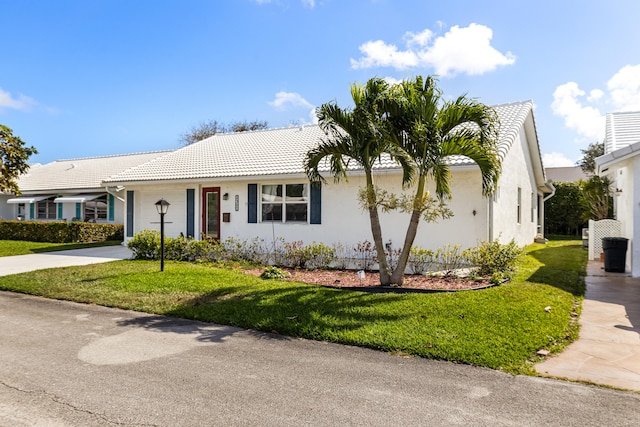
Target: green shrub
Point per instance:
(319, 255)
(493, 257)
(274, 273)
(145, 245)
(450, 258)
(294, 254)
(420, 260)
(60, 231)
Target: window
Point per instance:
(284, 202)
(46, 209)
(96, 209)
(533, 206)
(519, 205)
(21, 211)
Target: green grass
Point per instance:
(500, 327)
(19, 247)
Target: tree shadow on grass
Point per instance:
(563, 267)
(300, 311)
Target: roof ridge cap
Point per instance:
(111, 155)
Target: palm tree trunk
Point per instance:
(397, 277)
(376, 231)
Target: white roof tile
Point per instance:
(276, 152)
(622, 129)
(79, 174)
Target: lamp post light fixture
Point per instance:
(162, 206)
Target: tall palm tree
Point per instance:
(429, 131)
(360, 135)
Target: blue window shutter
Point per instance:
(60, 211)
(316, 204)
(79, 211)
(191, 203)
(129, 213)
(252, 203)
(111, 207)
(32, 211)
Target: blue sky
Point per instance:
(89, 78)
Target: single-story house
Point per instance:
(72, 190)
(621, 163)
(566, 174)
(252, 185)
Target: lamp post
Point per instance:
(162, 207)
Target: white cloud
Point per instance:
(556, 160)
(624, 88)
(581, 112)
(595, 95)
(21, 103)
(284, 99)
(587, 121)
(309, 3)
(460, 50)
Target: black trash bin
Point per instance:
(615, 253)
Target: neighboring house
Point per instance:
(621, 163)
(252, 185)
(566, 174)
(71, 190)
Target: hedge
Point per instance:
(60, 231)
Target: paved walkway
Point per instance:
(23, 263)
(608, 349)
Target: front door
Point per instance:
(211, 212)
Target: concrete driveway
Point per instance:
(67, 364)
(23, 263)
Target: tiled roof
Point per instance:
(276, 152)
(622, 129)
(77, 174)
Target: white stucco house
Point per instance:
(252, 185)
(621, 163)
(72, 190)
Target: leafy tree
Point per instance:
(13, 159)
(410, 123)
(565, 212)
(588, 161)
(207, 129)
(596, 192)
(359, 135)
(430, 130)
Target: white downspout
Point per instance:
(118, 189)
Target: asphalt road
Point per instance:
(65, 364)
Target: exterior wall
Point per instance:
(343, 220)
(517, 172)
(7, 211)
(67, 212)
(624, 177)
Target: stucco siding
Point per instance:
(342, 221)
(516, 174)
(7, 211)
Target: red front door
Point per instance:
(211, 212)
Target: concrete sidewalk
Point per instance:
(608, 349)
(23, 263)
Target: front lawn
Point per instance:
(501, 327)
(20, 247)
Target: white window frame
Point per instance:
(281, 199)
(519, 214)
(50, 209)
(96, 214)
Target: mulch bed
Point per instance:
(349, 279)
